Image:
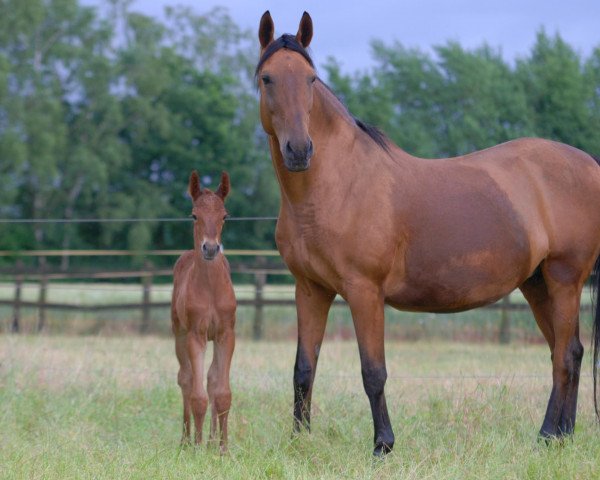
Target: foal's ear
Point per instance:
(305, 30)
(194, 188)
(266, 30)
(223, 189)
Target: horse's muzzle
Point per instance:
(210, 250)
(297, 159)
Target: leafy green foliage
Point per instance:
(104, 115)
(458, 101)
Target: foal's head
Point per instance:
(286, 78)
(209, 215)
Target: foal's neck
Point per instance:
(208, 272)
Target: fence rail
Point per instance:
(20, 274)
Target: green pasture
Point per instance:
(98, 407)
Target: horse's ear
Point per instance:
(194, 188)
(305, 30)
(224, 186)
(266, 30)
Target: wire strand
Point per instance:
(120, 220)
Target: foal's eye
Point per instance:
(193, 217)
(313, 79)
(266, 79)
(226, 217)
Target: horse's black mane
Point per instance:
(285, 41)
(289, 41)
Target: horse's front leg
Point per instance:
(220, 389)
(366, 304)
(196, 346)
(312, 305)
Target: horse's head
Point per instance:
(209, 215)
(286, 77)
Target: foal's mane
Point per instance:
(289, 42)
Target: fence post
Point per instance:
(260, 278)
(16, 323)
(146, 294)
(505, 321)
(42, 302)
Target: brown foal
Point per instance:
(202, 309)
(361, 218)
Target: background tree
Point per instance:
(104, 114)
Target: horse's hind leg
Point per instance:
(554, 300)
(184, 379)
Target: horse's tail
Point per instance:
(596, 331)
(596, 324)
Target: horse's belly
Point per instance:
(455, 287)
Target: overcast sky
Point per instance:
(344, 28)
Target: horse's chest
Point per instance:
(312, 258)
(207, 313)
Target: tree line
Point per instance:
(105, 112)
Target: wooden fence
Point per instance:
(259, 271)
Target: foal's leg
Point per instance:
(366, 303)
(312, 306)
(196, 346)
(555, 306)
(184, 379)
(211, 386)
(224, 346)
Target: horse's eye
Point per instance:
(193, 217)
(266, 79)
(313, 79)
(226, 217)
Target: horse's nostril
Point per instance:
(288, 148)
(309, 151)
(204, 247)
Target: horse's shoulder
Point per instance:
(185, 260)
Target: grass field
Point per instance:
(98, 407)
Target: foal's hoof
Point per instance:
(381, 450)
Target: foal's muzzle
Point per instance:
(210, 250)
(297, 158)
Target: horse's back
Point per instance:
(553, 187)
(482, 223)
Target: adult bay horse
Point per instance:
(202, 309)
(362, 218)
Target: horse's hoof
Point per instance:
(185, 442)
(382, 450)
(551, 438)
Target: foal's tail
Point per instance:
(596, 331)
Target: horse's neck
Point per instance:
(343, 154)
(208, 273)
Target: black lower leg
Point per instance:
(303, 378)
(374, 378)
(549, 426)
(573, 358)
